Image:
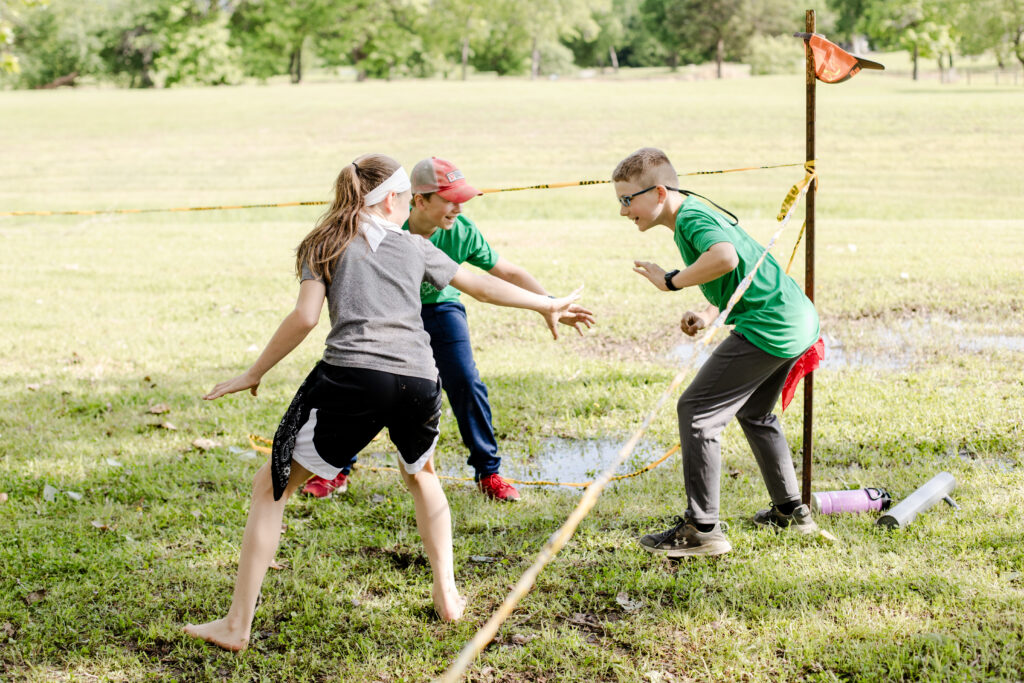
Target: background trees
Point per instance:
(63, 39)
(996, 25)
(144, 43)
(10, 17)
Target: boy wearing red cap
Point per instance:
(439, 189)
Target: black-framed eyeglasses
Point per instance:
(627, 199)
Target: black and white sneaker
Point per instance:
(799, 521)
(684, 540)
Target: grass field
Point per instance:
(109, 320)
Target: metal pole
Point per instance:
(809, 266)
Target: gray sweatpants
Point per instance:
(743, 381)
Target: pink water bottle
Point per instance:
(857, 500)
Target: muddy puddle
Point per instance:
(841, 355)
(1001, 464)
(682, 352)
(891, 346)
(996, 342)
(556, 460)
(838, 354)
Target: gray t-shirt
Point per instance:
(374, 304)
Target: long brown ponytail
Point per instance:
(323, 246)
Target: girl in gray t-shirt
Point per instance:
(377, 371)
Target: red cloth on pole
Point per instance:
(807, 363)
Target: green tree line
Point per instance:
(146, 43)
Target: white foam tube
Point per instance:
(935, 489)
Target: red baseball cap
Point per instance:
(441, 177)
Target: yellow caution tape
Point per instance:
(546, 186)
(255, 441)
(799, 237)
(97, 212)
(795, 191)
(578, 183)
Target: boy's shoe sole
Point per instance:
(704, 550)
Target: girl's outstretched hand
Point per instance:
(576, 316)
(564, 308)
(247, 380)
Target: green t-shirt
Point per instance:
(463, 243)
(773, 314)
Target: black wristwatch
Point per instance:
(668, 280)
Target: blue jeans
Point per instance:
(448, 328)
(449, 339)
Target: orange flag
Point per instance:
(833, 64)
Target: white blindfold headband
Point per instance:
(398, 182)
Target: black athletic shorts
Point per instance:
(338, 410)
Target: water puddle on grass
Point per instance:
(840, 356)
(681, 353)
(557, 460)
(576, 460)
(1003, 464)
(996, 342)
(890, 346)
(902, 343)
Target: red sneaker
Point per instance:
(322, 488)
(493, 486)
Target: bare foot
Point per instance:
(449, 605)
(220, 634)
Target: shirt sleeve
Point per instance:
(307, 274)
(479, 252)
(438, 267)
(704, 232)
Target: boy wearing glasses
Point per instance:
(774, 325)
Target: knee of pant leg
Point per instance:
(463, 384)
(458, 386)
(696, 420)
(756, 418)
(686, 409)
(688, 424)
